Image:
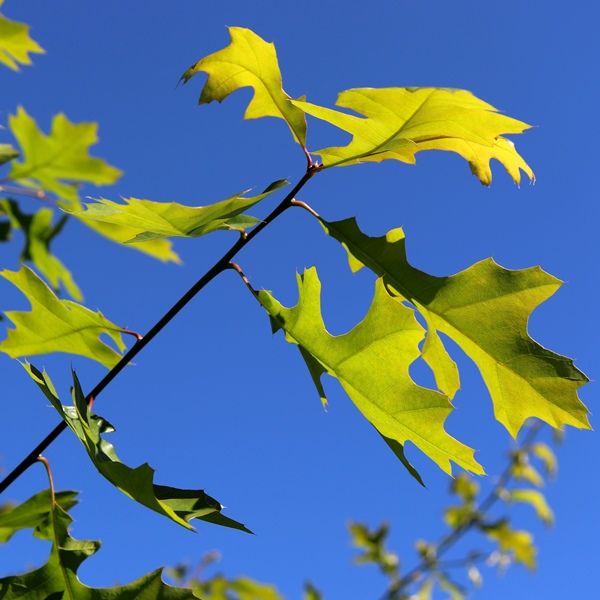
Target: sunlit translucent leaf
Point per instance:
(34, 514)
(39, 233)
(240, 588)
(523, 470)
(15, 43)
(537, 500)
(444, 369)
(399, 122)
(249, 61)
(371, 362)
(462, 485)
(58, 579)
(371, 543)
(59, 160)
(149, 220)
(547, 456)
(458, 516)
(54, 325)
(180, 505)
(425, 592)
(519, 544)
(7, 153)
(485, 310)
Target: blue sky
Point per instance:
(219, 403)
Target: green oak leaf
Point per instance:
(241, 588)
(59, 160)
(7, 153)
(249, 61)
(39, 233)
(372, 362)
(148, 220)
(485, 310)
(34, 514)
(179, 505)
(535, 499)
(399, 122)
(517, 543)
(58, 577)
(16, 44)
(55, 325)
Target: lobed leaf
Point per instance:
(148, 220)
(16, 44)
(39, 233)
(249, 61)
(57, 161)
(372, 362)
(179, 505)
(399, 122)
(485, 310)
(58, 577)
(54, 325)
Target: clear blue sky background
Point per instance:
(218, 402)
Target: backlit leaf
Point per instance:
(537, 500)
(485, 310)
(58, 577)
(54, 325)
(249, 61)
(547, 456)
(7, 153)
(39, 233)
(518, 544)
(148, 220)
(371, 362)
(57, 162)
(16, 44)
(399, 122)
(179, 505)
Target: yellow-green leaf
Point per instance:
(485, 310)
(517, 543)
(7, 153)
(146, 220)
(54, 325)
(372, 362)
(399, 122)
(537, 500)
(39, 232)
(249, 61)
(547, 456)
(57, 162)
(16, 44)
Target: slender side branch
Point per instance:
(221, 265)
(447, 541)
(23, 191)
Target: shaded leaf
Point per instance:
(16, 44)
(39, 233)
(57, 161)
(485, 310)
(35, 514)
(537, 500)
(371, 363)
(519, 544)
(148, 220)
(58, 577)
(311, 592)
(54, 325)
(399, 122)
(179, 505)
(249, 61)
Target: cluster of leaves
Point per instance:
(483, 309)
(494, 540)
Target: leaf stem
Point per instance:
(221, 265)
(46, 464)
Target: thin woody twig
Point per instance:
(221, 265)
